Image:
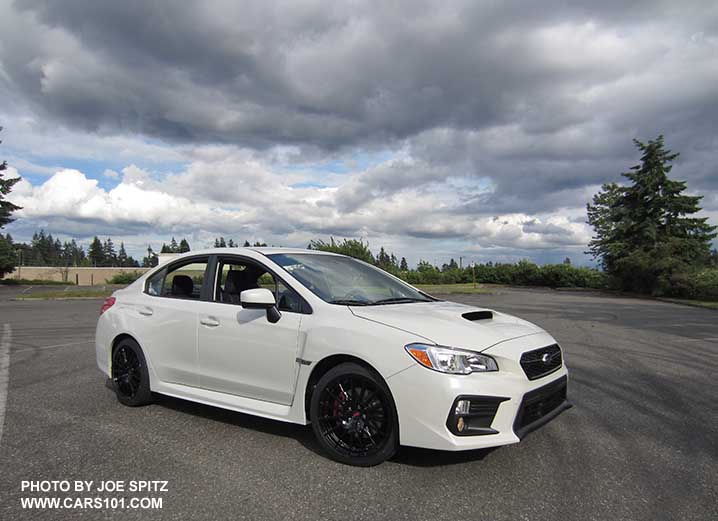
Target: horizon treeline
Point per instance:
(523, 273)
(46, 250)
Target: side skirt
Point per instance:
(230, 402)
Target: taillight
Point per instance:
(107, 304)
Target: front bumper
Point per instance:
(424, 399)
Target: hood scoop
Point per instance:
(473, 316)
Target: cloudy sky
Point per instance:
(436, 129)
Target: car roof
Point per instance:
(261, 250)
(265, 250)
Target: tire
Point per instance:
(354, 417)
(130, 377)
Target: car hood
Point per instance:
(443, 323)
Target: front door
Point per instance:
(240, 352)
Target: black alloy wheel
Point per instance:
(354, 417)
(130, 378)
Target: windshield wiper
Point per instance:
(399, 300)
(350, 302)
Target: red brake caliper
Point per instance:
(335, 405)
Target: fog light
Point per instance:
(462, 407)
(460, 424)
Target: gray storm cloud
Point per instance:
(530, 106)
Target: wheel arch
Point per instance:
(118, 339)
(324, 365)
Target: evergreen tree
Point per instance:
(44, 250)
(6, 207)
(151, 260)
(66, 254)
(383, 260)
(55, 251)
(76, 253)
(230, 244)
(646, 231)
(246, 244)
(96, 253)
(122, 256)
(403, 266)
(174, 247)
(184, 246)
(451, 266)
(8, 255)
(110, 254)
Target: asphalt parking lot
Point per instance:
(641, 441)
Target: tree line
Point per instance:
(46, 250)
(524, 273)
(647, 239)
(220, 242)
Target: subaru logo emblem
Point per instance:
(546, 358)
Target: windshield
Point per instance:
(343, 280)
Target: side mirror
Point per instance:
(261, 298)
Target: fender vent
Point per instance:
(478, 315)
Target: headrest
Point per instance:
(182, 285)
(239, 280)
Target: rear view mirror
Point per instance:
(261, 298)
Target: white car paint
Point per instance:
(227, 356)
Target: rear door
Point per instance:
(240, 352)
(167, 318)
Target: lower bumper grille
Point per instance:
(477, 421)
(541, 405)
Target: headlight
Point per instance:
(450, 360)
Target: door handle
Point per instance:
(146, 312)
(209, 322)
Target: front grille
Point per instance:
(540, 362)
(539, 403)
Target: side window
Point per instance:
(182, 281)
(185, 281)
(287, 299)
(234, 276)
(267, 281)
(154, 284)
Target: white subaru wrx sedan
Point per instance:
(310, 337)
